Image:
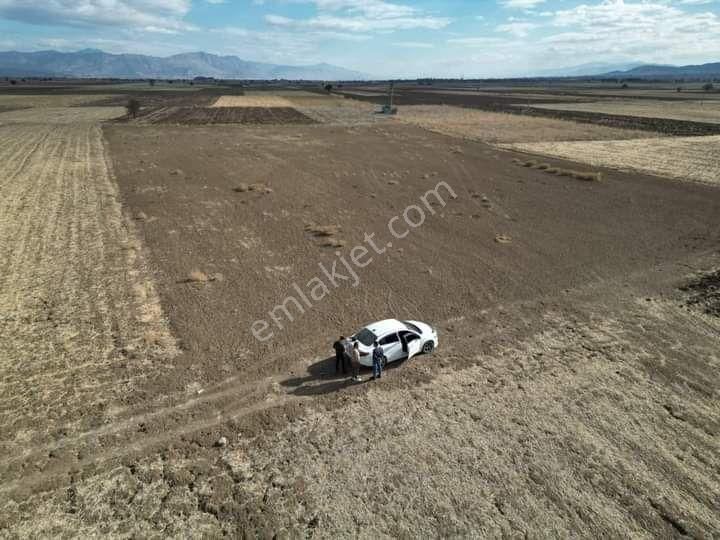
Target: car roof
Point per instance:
(381, 328)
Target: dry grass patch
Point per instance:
(197, 276)
(694, 159)
(327, 233)
(334, 243)
(322, 230)
(546, 167)
(257, 188)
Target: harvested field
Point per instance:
(500, 127)
(509, 103)
(347, 112)
(81, 322)
(694, 111)
(224, 115)
(694, 159)
(60, 115)
(18, 101)
(253, 101)
(573, 394)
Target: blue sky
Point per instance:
(378, 37)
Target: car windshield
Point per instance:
(366, 337)
(412, 327)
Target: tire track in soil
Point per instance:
(244, 405)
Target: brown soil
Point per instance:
(704, 292)
(223, 115)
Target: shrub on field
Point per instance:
(198, 276)
(708, 87)
(133, 107)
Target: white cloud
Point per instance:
(656, 31)
(517, 28)
(414, 45)
(361, 16)
(522, 4)
(151, 15)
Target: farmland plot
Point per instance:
(688, 158)
(80, 321)
(501, 127)
(252, 101)
(694, 111)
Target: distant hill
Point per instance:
(702, 71)
(96, 63)
(587, 70)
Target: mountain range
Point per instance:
(702, 71)
(587, 70)
(93, 63)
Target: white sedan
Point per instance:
(400, 340)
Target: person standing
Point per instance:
(378, 357)
(339, 347)
(355, 362)
(348, 354)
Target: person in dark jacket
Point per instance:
(339, 347)
(379, 359)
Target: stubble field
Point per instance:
(694, 159)
(696, 111)
(495, 127)
(574, 392)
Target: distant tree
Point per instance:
(328, 88)
(13, 81)
(152, 82)
(679, 88)
(133, 107)
(625, 86)
(708, 87)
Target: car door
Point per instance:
(414, 344)
(391, 347)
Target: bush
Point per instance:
(328, 88)
(708, 87)
(133, 107)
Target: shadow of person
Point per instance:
(322, 378)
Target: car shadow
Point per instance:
(322, 378)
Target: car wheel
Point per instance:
(428, 347)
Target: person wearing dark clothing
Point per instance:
(379, 359)
(340, 362)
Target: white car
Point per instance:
(400, 340)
